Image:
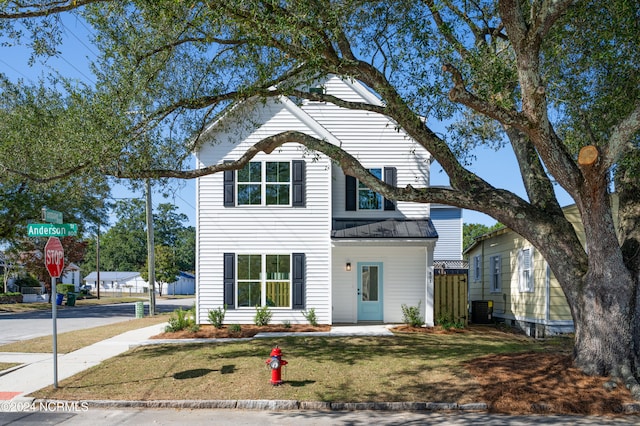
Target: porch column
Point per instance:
(428, 304)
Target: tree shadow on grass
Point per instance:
(299, 383)
(192, 374)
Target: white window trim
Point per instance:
(493, 262)
(526, 282)
(263, 186)
(263, 281)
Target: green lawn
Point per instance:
(405, 367)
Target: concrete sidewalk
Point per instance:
(36, 370)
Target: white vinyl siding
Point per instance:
(448, 222)
(261, 229)
(374, 140)
(404, 279)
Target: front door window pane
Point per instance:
(369, 283)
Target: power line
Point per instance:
(79, 40)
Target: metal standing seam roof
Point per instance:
(379, 229)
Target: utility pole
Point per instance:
(98, 260)
(151, 258)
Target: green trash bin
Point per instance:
(71, 299)
(139, 309)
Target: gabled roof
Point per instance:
(378, 229)
(290, 105)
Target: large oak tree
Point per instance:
(558, 81)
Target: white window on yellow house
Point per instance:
(477, 268)
(525, 270)
(495, 264)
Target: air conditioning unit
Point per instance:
(482, 311)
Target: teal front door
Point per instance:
(370, 291)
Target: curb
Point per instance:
(276, 405)
(284, 405)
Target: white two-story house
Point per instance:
(291, 231)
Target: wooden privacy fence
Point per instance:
(450, 296)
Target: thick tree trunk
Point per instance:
(604, 324)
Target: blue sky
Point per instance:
(499, 168)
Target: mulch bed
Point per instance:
(246, 330)
(544, 383)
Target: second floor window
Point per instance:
(368, 199)
(267, 183)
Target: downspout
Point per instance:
(482, 270)
(547, 295)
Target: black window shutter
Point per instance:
(229, 280)
(390, 177)
(298, 183)
(350, 193)
(229, 187)
(298, 281)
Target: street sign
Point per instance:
(51, 216)
(51, 230)
(54, 257)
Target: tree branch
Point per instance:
(621, 135)
(460, 94)
(44, 9)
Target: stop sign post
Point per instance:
(54, 261)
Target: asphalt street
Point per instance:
(141, 417)
(23, 326)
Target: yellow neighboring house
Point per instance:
(510, 281)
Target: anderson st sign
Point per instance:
(52, 230)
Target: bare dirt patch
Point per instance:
(246, 330)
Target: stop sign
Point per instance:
(54, 257)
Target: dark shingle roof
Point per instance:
(390, 228)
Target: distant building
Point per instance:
(110, 281)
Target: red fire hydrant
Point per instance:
(275, 363)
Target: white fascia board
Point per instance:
(309, 121)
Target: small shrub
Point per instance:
(446, 321)
(235, 328)
(411, 315)
(182, 320)
(286, 324)
(65, 288)
(263, 316)
(310, 316)
(11, 297)
(216, 316)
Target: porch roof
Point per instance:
(382, 229)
